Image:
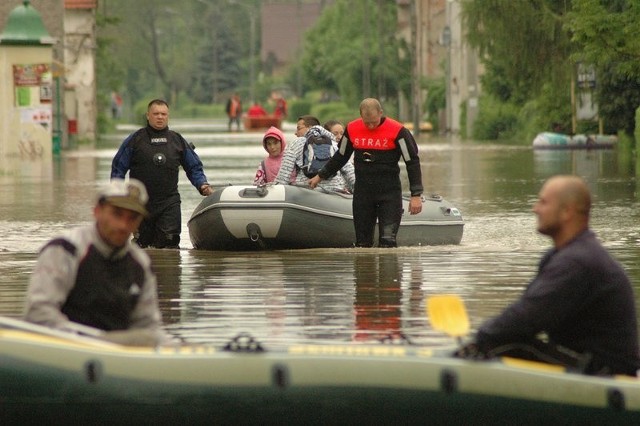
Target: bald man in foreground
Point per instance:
(581, 300)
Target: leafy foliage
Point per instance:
(530, 48)
(335, 58)
(522, 44)
(607, 33)
(199, 50)
(496, 120)
(110, 73)
(618, 96)
(436, 98)
(218, 67)
(160, 48)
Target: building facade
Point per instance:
(71, 23)
(80, 106)
(434, 29)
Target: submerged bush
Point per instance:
(495, 120)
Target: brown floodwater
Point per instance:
(325, 295)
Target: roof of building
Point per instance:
(283, 27)
(25, 27)
(80, 4)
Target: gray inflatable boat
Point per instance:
(237, 218)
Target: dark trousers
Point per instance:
(377, 201)
(236, 120)
(161, 229)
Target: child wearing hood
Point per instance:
(273, 142)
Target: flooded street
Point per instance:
(339, 295)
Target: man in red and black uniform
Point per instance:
(378, 143)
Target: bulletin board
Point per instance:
(33, 84)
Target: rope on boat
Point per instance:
(243, 342)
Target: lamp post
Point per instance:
(446, 42)
(252, 54)
(415, 67)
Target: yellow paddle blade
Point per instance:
(448, 314)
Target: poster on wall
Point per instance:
(33, 84)
(33, 93)
(40, 115)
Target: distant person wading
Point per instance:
(234, 111)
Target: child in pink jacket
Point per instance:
(273, 142)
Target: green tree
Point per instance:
(530, 48)
(164, 48)
(618, 95)
(607, 36)
(526, 54)
(607, 33)
(340, 57)
(110, 75)
(522, 43)
(218, 69)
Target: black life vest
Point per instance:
(156, 159)
(106, 291)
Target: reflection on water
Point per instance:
(378, 296)
(350, 295)
(345, 295)
(15, 268)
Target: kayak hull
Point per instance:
(63, 380)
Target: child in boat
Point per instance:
(274, 143)
(336, 128)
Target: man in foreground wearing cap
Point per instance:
(94, 276)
